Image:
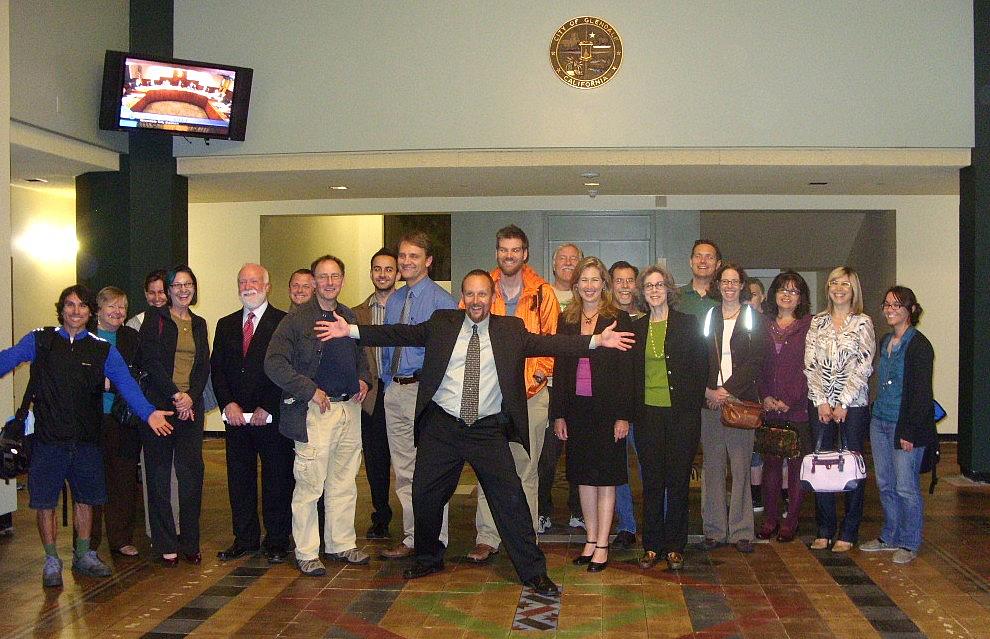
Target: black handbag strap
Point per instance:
(821, 434)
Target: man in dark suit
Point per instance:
(471, 403)
(250, 403)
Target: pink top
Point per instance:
(582, 381)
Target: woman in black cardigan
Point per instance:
(736, 340)
(175, 353)
(591, 406)
(902, 425)
(670, 369)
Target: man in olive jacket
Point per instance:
(323, 386)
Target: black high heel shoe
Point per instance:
(595, 566)
(582, 560)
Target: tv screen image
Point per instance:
(177, 97)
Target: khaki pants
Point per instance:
(527, 467)
(326, 466)
(400, 413)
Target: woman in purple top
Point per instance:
(784, 389)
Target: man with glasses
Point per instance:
(624, 276)
(323, 386)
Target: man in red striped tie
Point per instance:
(250, 404)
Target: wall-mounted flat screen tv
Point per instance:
(176, 97)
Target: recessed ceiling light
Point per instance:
(36, 180)
(817, 183)
(590, 175)
(339, 187)
(592, 184)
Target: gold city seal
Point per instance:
(585, 52)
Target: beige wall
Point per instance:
(42, 227)
(927, 245)
(56, 52)
(378, 75)
(354, 239)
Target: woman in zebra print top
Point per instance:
(838, 361)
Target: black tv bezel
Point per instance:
(113, 82)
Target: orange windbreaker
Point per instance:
(539, 310)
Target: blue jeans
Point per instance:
(854, 431)
(898, 476)
(623, 496)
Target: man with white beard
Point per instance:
(250, 404)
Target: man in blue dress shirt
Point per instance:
(412, 304)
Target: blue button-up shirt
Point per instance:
(890, 376)
(427, 297)
(114, 368)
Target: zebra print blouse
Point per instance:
(838, 364)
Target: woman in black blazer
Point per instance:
(591, 407)
(670, 370)
(175, 353)
(736, 339)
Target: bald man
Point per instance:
(249, 402)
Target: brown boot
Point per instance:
(401, 551)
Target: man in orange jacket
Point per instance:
(520, 291)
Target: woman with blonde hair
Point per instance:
(591, 409)
(838, 361)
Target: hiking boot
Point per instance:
(51, 574)
(353, 556)
(89, 565)
(311, 567)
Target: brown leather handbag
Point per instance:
(742, 414)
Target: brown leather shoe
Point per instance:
(649, 559)
(401, 551)
(481, 554)
(675, 560)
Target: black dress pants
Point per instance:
(245, 445)
(184, 445)
(667, 441)
(444, 445)
(377, 460)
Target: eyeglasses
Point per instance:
(730, 283)
(840, 283)
(333, 277)
(183, 285)
(793, 292)
(659, 286)
(894, 306)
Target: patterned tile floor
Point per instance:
(782, 590)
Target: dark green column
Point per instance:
(136, 220)
(974, 265)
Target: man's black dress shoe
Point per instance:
(542, 585)
(194, 558)
(422, 569)
(276, 555)
(235, 552)
(377, 531)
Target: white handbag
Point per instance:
(832, 471)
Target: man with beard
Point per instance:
(520, 292)
(374, 439)
(249, 401)
(323, 386)
(412, 304)
(301, 287)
